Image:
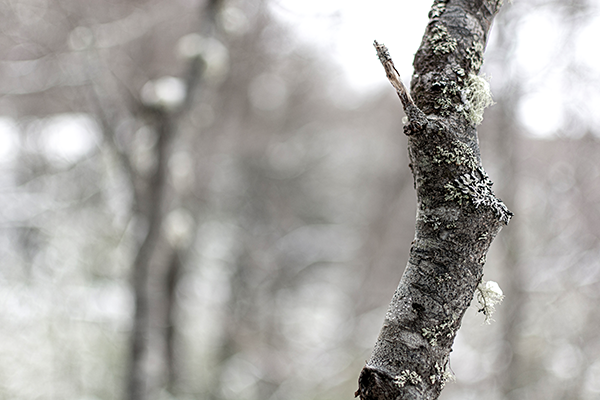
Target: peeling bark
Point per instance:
(458, 215)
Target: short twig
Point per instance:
(410, 108)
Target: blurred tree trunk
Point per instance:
(506, 140)
(152, 211)
(157, 266)
(149, 206)
(458, 215)
(173, 275)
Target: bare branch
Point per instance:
(458, 214)
(410, 108)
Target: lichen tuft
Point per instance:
(477, 96)
(488, 295)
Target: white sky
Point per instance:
(9, 137)
(347, 28)
(68, 137)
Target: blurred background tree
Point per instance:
(195, 204)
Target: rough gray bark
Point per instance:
(458, 215)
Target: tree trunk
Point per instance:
(458, 215)
(138, 374)
(157, 267)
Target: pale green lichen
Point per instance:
(433, 220)
(448, 376)
(489, 295)
(437, 9)
(476, 96)
(441, 41)
(438, 332)
(454, 194)
(443, 278)
(408, 376)
(442, 374)
(444, 102)
(444, 105)
(460, 154)
(477, 186)
(475, 55)
(459, 71)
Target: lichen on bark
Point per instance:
(458, 214)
